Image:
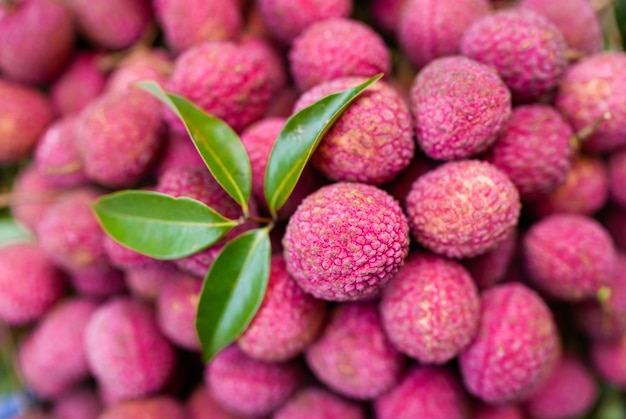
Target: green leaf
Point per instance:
(620, 17)
(233, 290)
(160, 225)
(11, 232)
(299, 138)
(219, 146)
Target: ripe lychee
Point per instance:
(80, 403)
(158, 407)
(491, 267)
(176, 307)
(202, 405)
(79, 84)
(318, 403)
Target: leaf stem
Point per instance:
(584, 133)
(265, 220)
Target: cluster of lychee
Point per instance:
(456, 247)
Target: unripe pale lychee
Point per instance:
(318, 403)
(516, 347)
(80, 83)
(353, 356)
(462, 209)
(431, 309)
(345, 241)
(460, 107)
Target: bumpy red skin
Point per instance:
(337, 48)
(429, 29)
(248, 387)
(609, 360)
(274, 60)
(26, 114)
(29, 284)
(345, 241)
(178, 151)
(80, 403)
(576, 19)
(353, 356)
(202, 405)
(119, 136)
(525, 48)
(516, 347)
(70, 234)
(114, 24)
(614, 219)
(460, 107)
(431, 309)
(124, 258)
(52, 358)
(98, 282)
(286, 19)
(592, 87)
(176, 307)
(606, 320)
(204, 74)
(534, 150)
(584, 191)
(158, 407)
(23, 56)
(199, 184)
(462, 209)
(32, 197)
(187, 23)
(508, 411)
(153, 65)
(126, 351)
(569, 256)
(491, 267)
(617, 177)
(570, 391)
(145, 283)
(318, 403)
(79, 84)
(57, 156)
(424, 392)
(287, 321)
(371, 142)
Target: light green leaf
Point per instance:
(299, 138)
(219, 146)
(159, 225)
(233, 290)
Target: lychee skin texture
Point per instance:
(491, 267)
(534, 150)
(371, 142)
(609, 360)
(249, 387)
(28, 184)
(122, 257)
(516, 346)
(525, 48)
(23, 56)
(576, 20)
(187, 23)
(100, 281)
(286, 19)
(204, 74)
(287, 321)
(462, 209)
(202, 405)
(80, 403)
(353, 356)
(617, 177)
(570, 391)
(460, 107)
(177, 305)
(153, 64)
(430, 309)
(145, 283)
(126, 351)
(119, 136)
(158, 407)
(429, 29)
(79, 84)
(336, 48)
(424, 392)
(569, 256)
(345, 241)
(318, 403)
(592, 88)
(52, 358)
(25, 113)
(29, 284)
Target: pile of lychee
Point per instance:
(456, 247)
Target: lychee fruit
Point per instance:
(491, 267)
(202, 405)
(431, 309)
(386, 14)
(176, 307)
(157, 407)
(123, 257)
(462, 209)
(100, 281)
(608, 358)
(460, 107)
(516, 347)
(569, 256)
(80, 403)
(143, 64)
(178, 151)
(345, 241)
(145, 282)
(353, 356)
(80, 83)
(371, 142)
(318, 403)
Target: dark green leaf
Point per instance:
(220, 146)
(620, 16)
(299, 138)
(233, 290)
(159, 225)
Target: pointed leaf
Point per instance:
(233, 290)
(159, 225)
(220, 146)
(299, 138)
